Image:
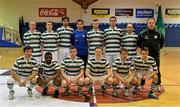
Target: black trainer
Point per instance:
(103, 89)
(66, 92)
(56, 94)
(44, 93)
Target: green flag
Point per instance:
(160, 23)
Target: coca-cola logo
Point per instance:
(52, 12)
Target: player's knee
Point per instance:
(10, 81)
(115, 81)
(34, 80)
(81, 81)
(87, 80)
(64, 83)
(136, 81)
(110, 80)
(155, 78)
(57, 81)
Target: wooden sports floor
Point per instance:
(170, 71)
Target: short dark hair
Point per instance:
(130, 24)
(48, 53)
(27, 48)
(94, 20)
(49, 22)
(112, 17)
(80, 20)
(64, 17)
(99, 48)
(123, 50)
(72, 47)
(145, 49)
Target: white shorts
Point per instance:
(12, 80)
(63, 53)
(111, 57)
(140, 74)
(124, 76)
(38, 59)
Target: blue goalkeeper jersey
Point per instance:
(79, 40)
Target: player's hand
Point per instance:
(126, 82)
(98, 82)
(21, 83)
(44, 82)
(145, 77)
(24, 83)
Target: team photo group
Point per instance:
(81, 58)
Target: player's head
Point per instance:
(65, 21)
(113, 21)
(98, 52)
(73, 51)
(96, 23)
(48, 57)
(49, 25)
(151, 23)
(32, 25)
(79, 24)
(144, 53)
(28, 51)
(124, 53)
(130, 28)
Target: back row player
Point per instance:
(60, 42)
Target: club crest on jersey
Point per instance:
(155, 37)
(146, 37)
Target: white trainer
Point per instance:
(11, 95)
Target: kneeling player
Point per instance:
(23, 72)
(145, 68)
(49, 72)
(72, 70)
(98, 71)
(121, 72)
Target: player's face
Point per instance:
(32, 26)
(28, 53)
(49, 26)
(48, 59)
(80, 25)
(144, 55)
(73, 52)
(113, 22)
(96, 24)
(129, 28)
(98, 53)
(124, 55)
(151, 24)
(65, 22)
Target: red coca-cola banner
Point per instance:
(52, 12)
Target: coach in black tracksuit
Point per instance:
(154, 41)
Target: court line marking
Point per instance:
(94, 95)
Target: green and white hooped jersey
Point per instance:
(33, 39)
(65, 36)
(130, 43)
(24, 67)
(50, 41)
(94, 39)
(140, 65)
(49, 70)
(98, 68)
(72, 67)
(122, 67)
(112, 39)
